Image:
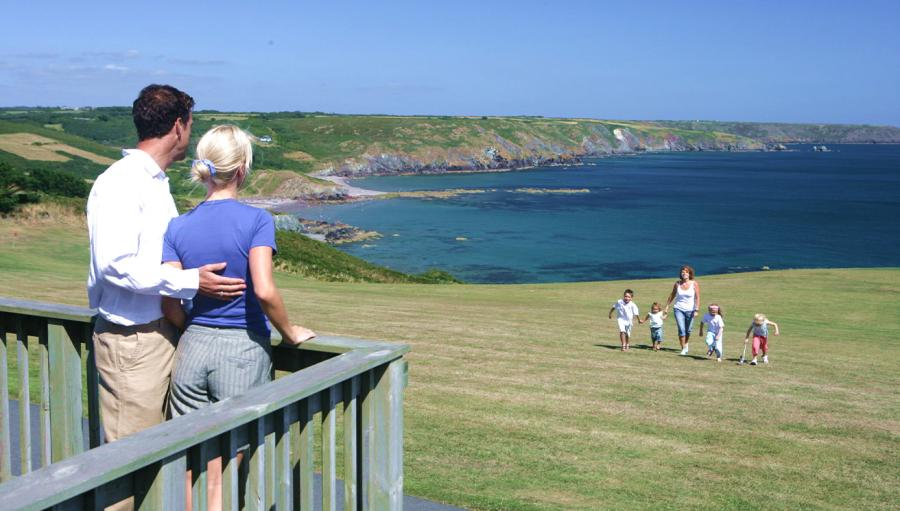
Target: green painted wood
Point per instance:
(269, 461)
(44, 419)
(5, 441)
(103, 464)
(285, 419)
(351, 390)
(162, 485)
(366, 429)
(329, 400)
(45, 310)
(305, 447)
(230, 483)
(92, 378)
(387, 490)
(200, 456)
(73, 504)
(65, 392)
(24, 397)
(113, 492)
(174, 486)
(298, 414)
(254, 499)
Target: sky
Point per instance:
(785, 61)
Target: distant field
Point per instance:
(218, 117)
(36, 147)
(519, 399)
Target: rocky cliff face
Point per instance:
(495, 152)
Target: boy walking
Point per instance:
(626, 311)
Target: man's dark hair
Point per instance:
(157, 108)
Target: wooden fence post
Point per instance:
(65, 391)
(387, 490)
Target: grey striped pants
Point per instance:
(212, 364)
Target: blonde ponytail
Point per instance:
(221, 153)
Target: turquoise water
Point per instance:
(643, 216)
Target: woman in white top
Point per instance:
(686, 293)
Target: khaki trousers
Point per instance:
(135, 366)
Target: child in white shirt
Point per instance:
(627, 310)
(656, 316)
(715, 330)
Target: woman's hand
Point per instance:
(299, 335)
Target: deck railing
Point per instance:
(362, 381)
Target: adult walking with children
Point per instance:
(686, 295)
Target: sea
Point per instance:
(640, 216)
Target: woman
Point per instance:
(226, 348)
(686, 293)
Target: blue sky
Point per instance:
(759, 61)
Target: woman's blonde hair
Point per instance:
(759, 319)
(221, 153)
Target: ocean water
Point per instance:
(643, 216)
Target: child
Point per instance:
(760, 329)
(715, 330)
(627, 310)
(656, 318)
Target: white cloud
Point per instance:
(113, 67)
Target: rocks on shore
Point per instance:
(332, 233)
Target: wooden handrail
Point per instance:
(366, 377)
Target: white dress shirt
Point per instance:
(128, 210)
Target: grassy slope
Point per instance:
(518, 398)
(785, 132)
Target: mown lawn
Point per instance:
(518, 398)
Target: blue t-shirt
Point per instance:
(217, 231)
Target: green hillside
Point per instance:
(352, 144)
(787, 133)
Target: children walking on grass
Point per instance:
(760, 329)
(627, 311)
(715, 329)
(656, 316)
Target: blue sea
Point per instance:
(643, 216)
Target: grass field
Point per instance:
(520, 400)
(36, 147)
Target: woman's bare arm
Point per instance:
(696, 298)
(671, 297)
(270, 299)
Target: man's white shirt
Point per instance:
(128, 211)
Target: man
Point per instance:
(128, 211)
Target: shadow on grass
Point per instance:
(647, 347)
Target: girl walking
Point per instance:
(715, 331)
(656, 316)
(760, 329)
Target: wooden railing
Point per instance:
(360, 380)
